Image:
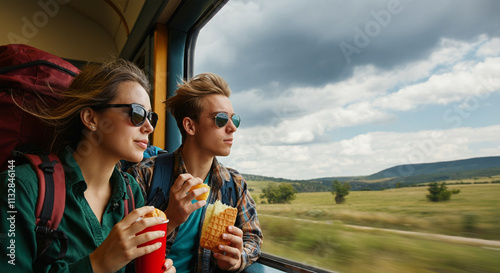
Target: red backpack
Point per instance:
(30, 77)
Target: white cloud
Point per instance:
(364, 99)
(298, 137)
(363, 154)
(462, 81)
(489, 48)
(359, 145)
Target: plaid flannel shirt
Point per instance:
(247, 219)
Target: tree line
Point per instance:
(363, 184)
(286, 193)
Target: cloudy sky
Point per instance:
(344, 88)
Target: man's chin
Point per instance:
(225, 153)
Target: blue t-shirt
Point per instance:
(185, 246)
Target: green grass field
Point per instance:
(327, 242)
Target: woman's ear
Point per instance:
(189, 126)
(89, 118)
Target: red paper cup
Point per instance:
(153, 262)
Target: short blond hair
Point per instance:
(188, 97)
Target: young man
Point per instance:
(207, 122)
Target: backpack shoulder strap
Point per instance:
(129, 203)
(159, 190)
(229, 192)
(50, 204)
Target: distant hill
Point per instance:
(437, 167)
(253, 177)
(401, 175)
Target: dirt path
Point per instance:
(455, 239)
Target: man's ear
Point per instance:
(189, 126)
(89, 118)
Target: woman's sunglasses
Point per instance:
(222, 118)
(138, 113)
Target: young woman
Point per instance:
(105, 117)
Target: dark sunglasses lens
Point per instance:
(221, 119)
(236, 120)
(153, 119)
(138, 115)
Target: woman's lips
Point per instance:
(142, 143)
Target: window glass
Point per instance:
(342, 90)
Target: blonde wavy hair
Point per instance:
(95, 85)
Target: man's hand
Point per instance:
(180, 204)
(229, 257)
(168, 266)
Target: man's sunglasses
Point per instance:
(138, 113)
(222, 118)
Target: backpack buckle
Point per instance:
(43, 230)
(48, 167)
(16, 154)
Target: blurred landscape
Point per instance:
(392, 230)
(456, 171)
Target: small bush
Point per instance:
(439, 192)
(284, 193)
(340, 190)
